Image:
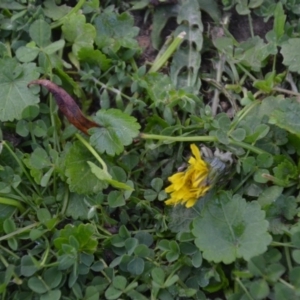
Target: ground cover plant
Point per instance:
(149, 149)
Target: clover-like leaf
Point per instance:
(80, 177)
(118, 129)
(79, 33)
(94, 57)
(40, 32)
(115, 31)
(14, 94)
(53, 11)
(230, 228)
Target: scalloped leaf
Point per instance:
(286, 116)
(230, 228)
(14, 94)
(80, 177)
(118, 130)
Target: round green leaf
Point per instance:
(26, 54)
(22, 128)
(14, 93)
(54, 47)
(142, 251)
(230, 223)
(130, 245)
(136, 266)
(264, 160)
(239, 134)
(43, 215)
(197, 259)
(158, 275)
(28, 267)
(37, 285)
(35, 234)
(40, 32)
(296, 256)
(222, 136)
(115, 199)
(80, 177)
(259, 175)
(144, 238)
(120, 282)
(295, 277)
(157, 184)
(259, 289)
(150, 195)
(111, 293)
(9, 226)
(52, 295)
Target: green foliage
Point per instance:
(83, 216)
(186, 63)
(115, 31)
(77, 32)
(15, 95)
(77, 169)
(231, 224)
(118, 130)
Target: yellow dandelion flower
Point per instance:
(188, 186)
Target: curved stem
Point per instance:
(21, 166)
(12, 202)
(19, 231)
(92, 150)
(250, 25)
(240, 283)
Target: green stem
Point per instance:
(12, 202)
(21, 166)
(65, 201)
(246, 72)
(242, 182)
(241, 115)
(279, 244)
(9, 252)
(167, 138)
(45, 255)
(288, 257)
(18, 231)
(216, 99)
(286, 284)
(92, 150)
(199, 139)
(74, 10)
(244, 288)
(116, 91)
(250, 25)
(292, 93)
(161, 60)
(17, 280)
